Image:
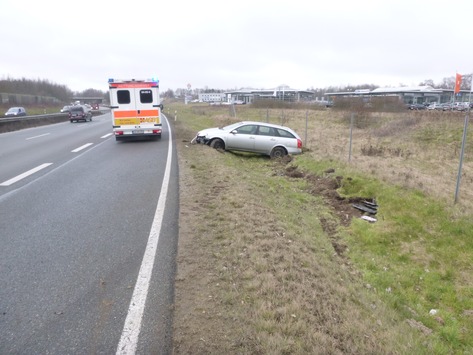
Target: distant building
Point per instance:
(408, 95)
(282, 93)
(212, 97)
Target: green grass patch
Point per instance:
(416, 256)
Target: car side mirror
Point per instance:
(161, 107)
(234, 131)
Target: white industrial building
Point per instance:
(212, 97)
(247, 96)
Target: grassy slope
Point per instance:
(258, 272)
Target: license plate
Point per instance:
(138, 131)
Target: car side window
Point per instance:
(285, 134)
(248, 129)
(267, 131)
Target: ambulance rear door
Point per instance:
(135, 108)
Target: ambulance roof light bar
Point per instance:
(111, 80)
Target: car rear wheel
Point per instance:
(278, 152)
(217, 143)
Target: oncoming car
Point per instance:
(256, 137)
(16, 111)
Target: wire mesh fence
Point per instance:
(414, 149)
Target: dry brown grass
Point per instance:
(415, 149)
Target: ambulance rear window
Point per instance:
(146, 96)
(123, 96)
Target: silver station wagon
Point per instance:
(256, 137)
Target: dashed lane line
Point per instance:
(25, 174)
(81, 147)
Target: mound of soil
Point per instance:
(326, 186)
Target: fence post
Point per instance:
(351, 136)
(465, 128)
(306, 119)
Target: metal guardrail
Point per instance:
(9, 124)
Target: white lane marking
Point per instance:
(131, 329)
(25, 174)
(81, 147)
(107, 135)
(41, 135)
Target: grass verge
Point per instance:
(269, 262)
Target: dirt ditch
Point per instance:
(326, 186)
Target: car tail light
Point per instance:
(299, 144)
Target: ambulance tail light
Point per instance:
(156, 131)
(119, 133)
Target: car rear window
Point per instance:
(284, 133)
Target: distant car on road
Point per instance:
(65, 109)
(16, 111)
(95, 106)
(256, 137)
(79, 113)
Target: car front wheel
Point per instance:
(278, 152)
(217, 144)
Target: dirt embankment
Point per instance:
(251, 282)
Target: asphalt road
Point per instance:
(77, 210)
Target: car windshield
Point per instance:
(13, 109)
(231, 127)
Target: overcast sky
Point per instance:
(235, 44)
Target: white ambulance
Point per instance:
(136, 108)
